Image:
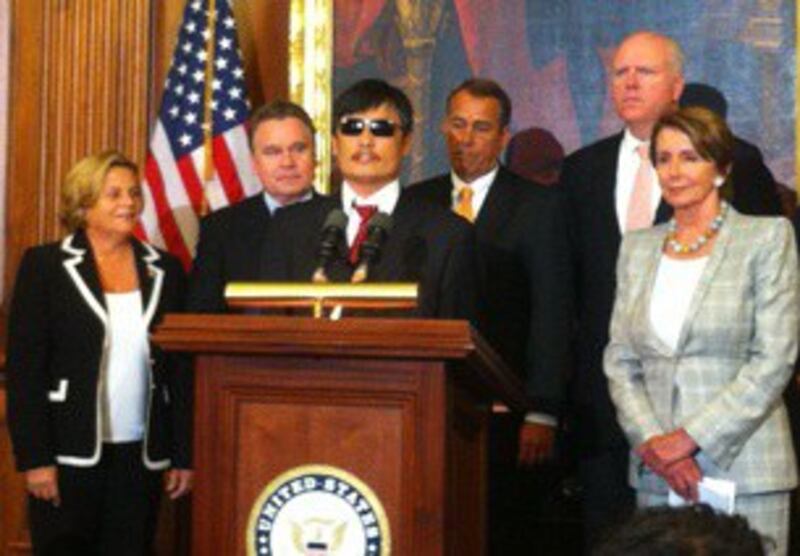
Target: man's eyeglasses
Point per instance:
(378, 128)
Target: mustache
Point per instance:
(364, 152)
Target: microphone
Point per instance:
(333, 231)
(378, 229)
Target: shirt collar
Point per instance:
(273, 204)
(630, 142)
(384, 198)
(479, 185)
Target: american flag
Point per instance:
(193, 166)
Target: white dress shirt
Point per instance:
(384, 198)
(627, 167)
(676, 281)
(126, 382)
(480, 189)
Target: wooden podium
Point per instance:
(402, 405)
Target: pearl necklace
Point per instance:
(672, 244)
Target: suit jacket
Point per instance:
(57, 348)
(231, 242)
(523, 279)
(735, 354)
(426, 244)
(589, 179)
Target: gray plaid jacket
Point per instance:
(736, 350)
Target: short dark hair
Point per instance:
(485, 88)
(279, 110)
(687, 531)
(372, 93)
(707, 131)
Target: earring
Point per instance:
(719, 181)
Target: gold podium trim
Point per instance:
(288, 295)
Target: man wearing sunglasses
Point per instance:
(235, 241)
(524, 275)
(426, 244)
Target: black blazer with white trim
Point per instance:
(56, 353)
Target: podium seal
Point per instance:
(317, 510)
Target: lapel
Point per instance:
(81, 268)
(605, 180)
(649, 271)
(649, 268)
(393, 264)
(441, 192)
(707, 277)
(151, 278)
(500, 202)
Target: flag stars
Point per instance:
(196, 6)
(206, 34)
(174, 112)
(201, 56)
(225, 43)
(193, 97)
(182, 69)
(238, 73)
(190, 118)
(185, 140)
(179, 89)
(214, 105)
(235, 92)
(229, 23)
(216, 85)
(187, 47)
(198, 76)
(230, 114)
(221, 63)
(191, 27)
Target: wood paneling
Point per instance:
(77, 87)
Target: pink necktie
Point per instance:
(640, 212)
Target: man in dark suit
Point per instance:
(611, 189)
(524, 285)
(600, 181)
(426, 244)
(232, 239)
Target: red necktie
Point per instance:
(365, 212)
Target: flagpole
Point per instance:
(208, 97)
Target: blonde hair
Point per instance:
(84, 183)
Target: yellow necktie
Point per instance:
(464, 204)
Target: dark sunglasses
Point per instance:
(378, 128)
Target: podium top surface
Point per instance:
(352, 337)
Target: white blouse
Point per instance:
(127, 378)
(674, 287)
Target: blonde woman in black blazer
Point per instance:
(94, 431)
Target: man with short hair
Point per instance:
(524, 287)
(233, 239)
(611, 188)
(373, 123)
